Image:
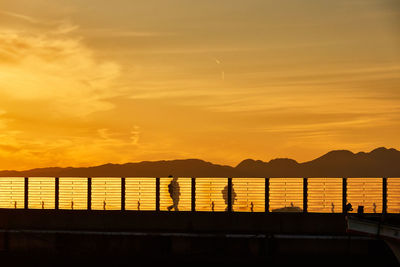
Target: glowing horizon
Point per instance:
(84, 83)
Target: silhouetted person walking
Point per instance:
(225, 196)
(174, 191)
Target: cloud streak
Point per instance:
(20, 16)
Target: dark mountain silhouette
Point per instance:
(273, 168)
(380, 162)
(180, 168)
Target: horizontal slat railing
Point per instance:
(72, 193)
(140, 194)
(319, 195)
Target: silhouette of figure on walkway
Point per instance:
(225, 196)
(349, 207)
(174, 191)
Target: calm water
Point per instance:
(324, 194)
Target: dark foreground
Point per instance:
(66, 238)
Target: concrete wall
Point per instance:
(50, 238)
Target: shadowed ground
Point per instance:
(116, 238)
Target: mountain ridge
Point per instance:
(380, 162)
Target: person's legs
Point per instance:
(175, 205)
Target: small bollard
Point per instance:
(360, 210)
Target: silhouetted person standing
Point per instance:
(174, 191)
(348, 207)
(225, 196)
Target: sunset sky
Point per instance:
(87, 82)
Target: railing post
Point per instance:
(384, 195)
(266, 195)
(122, 193)
(305, 195)
(229, 195)
(193, 194)
(57, 193)
(344, 195)
(157, 194)
(89, 193)
(26, 193)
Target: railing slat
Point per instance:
(384, 195)
(344, 195)
(157, 194)
(123, 193)
(193, 195)
(229, 208)
(89, 193)
(57, 193)
(26, 193)
(305, 194)
(266, 185)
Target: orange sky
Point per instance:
(88, 82)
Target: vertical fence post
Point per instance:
(266, 197)
(305, 195)
(157, 194)
(89, 193)
(193, 194)
(57, 193)
(229, 195)
(26, 193)
(384, 195)
(122, 193)
(344, 195)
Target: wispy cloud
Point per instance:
(20, 16)
(59, 69)
(112, 32)
(66, 27)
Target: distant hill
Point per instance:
(380, 162)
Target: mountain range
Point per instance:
(380, 162)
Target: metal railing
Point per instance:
(324, 195)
